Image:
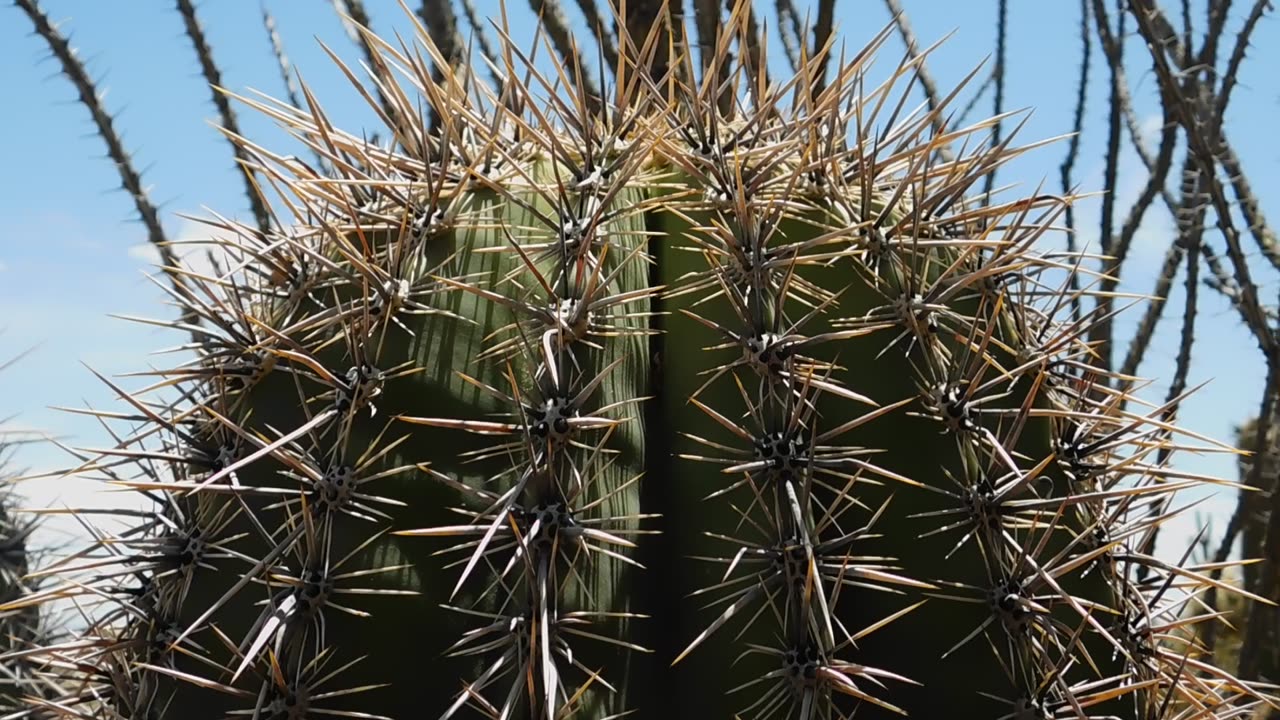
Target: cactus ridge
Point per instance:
(645, 402)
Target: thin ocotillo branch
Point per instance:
(1214, 108)
(1073, 149)
(970, 106)
(1243, 519)
(1250, 209)
(1162, 165)
(1202, 136)
(1219, 279)
(353, 14)
(822, 30)
(552, 19)
(1002, 24)
(708, 23)
(790, 32)
(1190, 236)
(482, 39)
(752, 43)
(442, 26)
(1100, 334)
(213, 77)
(1141, 339)
(1187, 101)
(292, 91)
(1190, 239)
(606, 40)
(1171, 264)
(922, 72)
(1158, 167)
(1209, 633)
(1229, 78)
(130, 179)
(1208, 56)
(640, 21)
(1262, 232)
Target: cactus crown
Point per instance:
(684, 389)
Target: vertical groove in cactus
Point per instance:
(638, 405)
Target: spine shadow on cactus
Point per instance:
(440, 412)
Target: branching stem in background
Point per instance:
(1188, 96)
(292, 91)
(1073, 148)
(354, 16)
(1002, 24)
(551, 16)
(1190, 220)
(752, 46)
(1101, 332)
(926, 80)
(213, 76)
(790, 32)
(707, 22)
(481, 35)
(442, 26)
(1261, 629)
(1202, 136)
(605, 39)
(821, 36)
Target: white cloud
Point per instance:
(146, 252)
(194, 243)
(1149, 128)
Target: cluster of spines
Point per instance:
(927, 253)
(18, 626)
(954, 289)
(756, 171)
(573, 357)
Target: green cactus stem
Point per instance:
(640, 404)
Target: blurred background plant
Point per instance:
(24, 627)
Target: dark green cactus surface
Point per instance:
(645, 405)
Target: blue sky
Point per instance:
(71, 252)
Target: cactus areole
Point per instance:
(712, 394)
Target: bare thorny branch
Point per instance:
(926, 80)
(213, 76)
(130, 178)
(1194, 98)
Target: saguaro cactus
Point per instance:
(685, 392)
